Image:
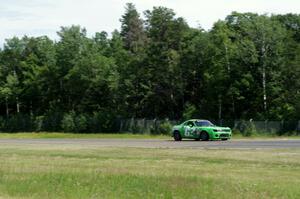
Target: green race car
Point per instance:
(200, 130)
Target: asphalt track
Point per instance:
(154, 143)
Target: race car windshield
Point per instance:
(204, 123)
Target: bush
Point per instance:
(18, 123)
(94, 123)
(246, 128)
(55, 121)
(67, 123)
(81, 123)
(38, 123)
(164, 128)
(52, 121)
(2, 124)
(102, 122)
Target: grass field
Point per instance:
(91, 172)
(42, 135)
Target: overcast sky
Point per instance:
(44, 17)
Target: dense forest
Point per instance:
(156, 66)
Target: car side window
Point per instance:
(190, 124)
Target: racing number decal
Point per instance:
(188, 131)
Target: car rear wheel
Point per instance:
(177, 136)
(204, 136)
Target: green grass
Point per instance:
(90, 172)
(42, 135)
(265, 136)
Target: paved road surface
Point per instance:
(153, 143)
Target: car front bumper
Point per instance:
(221, 135)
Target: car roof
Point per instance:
(198, 120)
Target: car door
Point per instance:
(189, 128)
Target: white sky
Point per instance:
(44, 17)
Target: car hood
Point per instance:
(215, 127)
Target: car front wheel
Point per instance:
(177, 136)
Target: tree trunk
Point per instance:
(233, 106)
(227, 59)
(31, 111)
(220, 108)
(229, 70)
(264, 81)
(6, 105)
(264, 87)
(18, 105)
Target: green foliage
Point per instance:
(246, 128)
(52, 121)
(165, 128)
(81, 123)
(246, 66)
(74, 123)
(103, 121)
(17, 123)
(190, 111)
(132, 30)
(68, 123)
(38, 123)
(161, 128)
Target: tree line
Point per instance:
(156, 66)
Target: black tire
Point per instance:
(177, 136)
(197, 139)
(204, 136)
